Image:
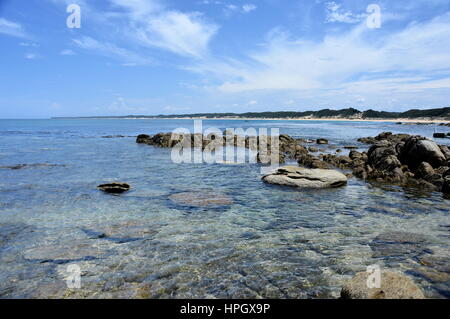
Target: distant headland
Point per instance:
(438, 114)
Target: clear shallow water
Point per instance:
(271, 242)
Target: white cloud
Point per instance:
(12, 28)
(30, 56)
(336, 14)
(180, 33)
(339, 61)
(143, 24)
(150, 24)
(110, 50)
(67, 52)
(229, 9)
(248, 7)
(28, 44)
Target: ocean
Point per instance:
(268, 242)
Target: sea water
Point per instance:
(270, 242)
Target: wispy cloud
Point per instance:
(230, 9)
(337, 61)
(144, 24)
(67, 52)
(12, 28)
(336, 14)
(111, 50)
(30, 56)
(248, 7)
(181, 33)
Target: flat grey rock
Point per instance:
(306, 178)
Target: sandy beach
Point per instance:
(423, 121)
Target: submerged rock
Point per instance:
(9, 231)
(306, 178)
(393, 244)
(435, 268)
(120, 232)
(201, 199)
(114, 188)
(393, 286)
(61, 253)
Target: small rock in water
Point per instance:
(306, 178)
(393, 286)
(21, 166)
(322, 141)
(114, 188)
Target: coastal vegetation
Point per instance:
(348, 113)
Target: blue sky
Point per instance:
(187, 56)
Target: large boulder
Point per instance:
(382, 158)
(342, 162)
(426, 172)
(445, 150)
(310, 161)
(418, 149)
(306, 178)
(393, 286)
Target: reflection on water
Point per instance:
(270, 241)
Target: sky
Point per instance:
(151, 57)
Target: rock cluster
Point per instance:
(400, 159)
(406, 160)
(288, 146)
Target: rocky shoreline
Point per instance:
(398, 159)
